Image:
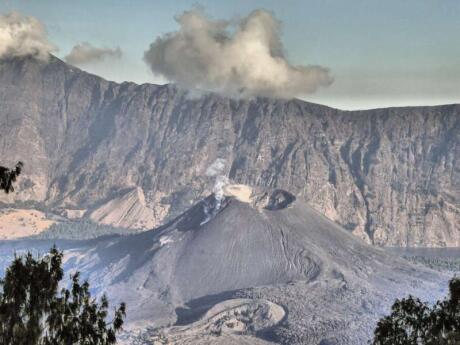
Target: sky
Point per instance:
(379, 53)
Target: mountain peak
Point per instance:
(84, 140)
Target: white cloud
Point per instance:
(85, 52)
(242, 58)
(23, 36)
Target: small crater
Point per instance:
(279, 199)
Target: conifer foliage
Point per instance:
(8, 176)
(35, 311)
(413, 322)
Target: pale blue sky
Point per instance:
(381, 53)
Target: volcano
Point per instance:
(256, 267)
(137, 156)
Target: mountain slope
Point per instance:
(391, 176)
(272, 269)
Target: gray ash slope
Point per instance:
(137, 155)
(282, 273)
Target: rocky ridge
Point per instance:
(390, 176)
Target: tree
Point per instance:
(34, 312)
(413, 322)
(8, 176)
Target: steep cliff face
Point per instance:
(391, 176)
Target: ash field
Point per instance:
(250, 266)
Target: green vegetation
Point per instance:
(8, 176)
(34, 312)
(413, 322)
(82, 229)
(436, 263)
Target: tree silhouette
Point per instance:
(34, 312)
(8, 176)
(413, 322)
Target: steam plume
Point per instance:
(216, 169)
(243, 58)
(85, 52)
(22, 36)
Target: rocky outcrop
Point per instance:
(127, 211)
(391, 176)
(232, 322)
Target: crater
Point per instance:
(279, 199)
